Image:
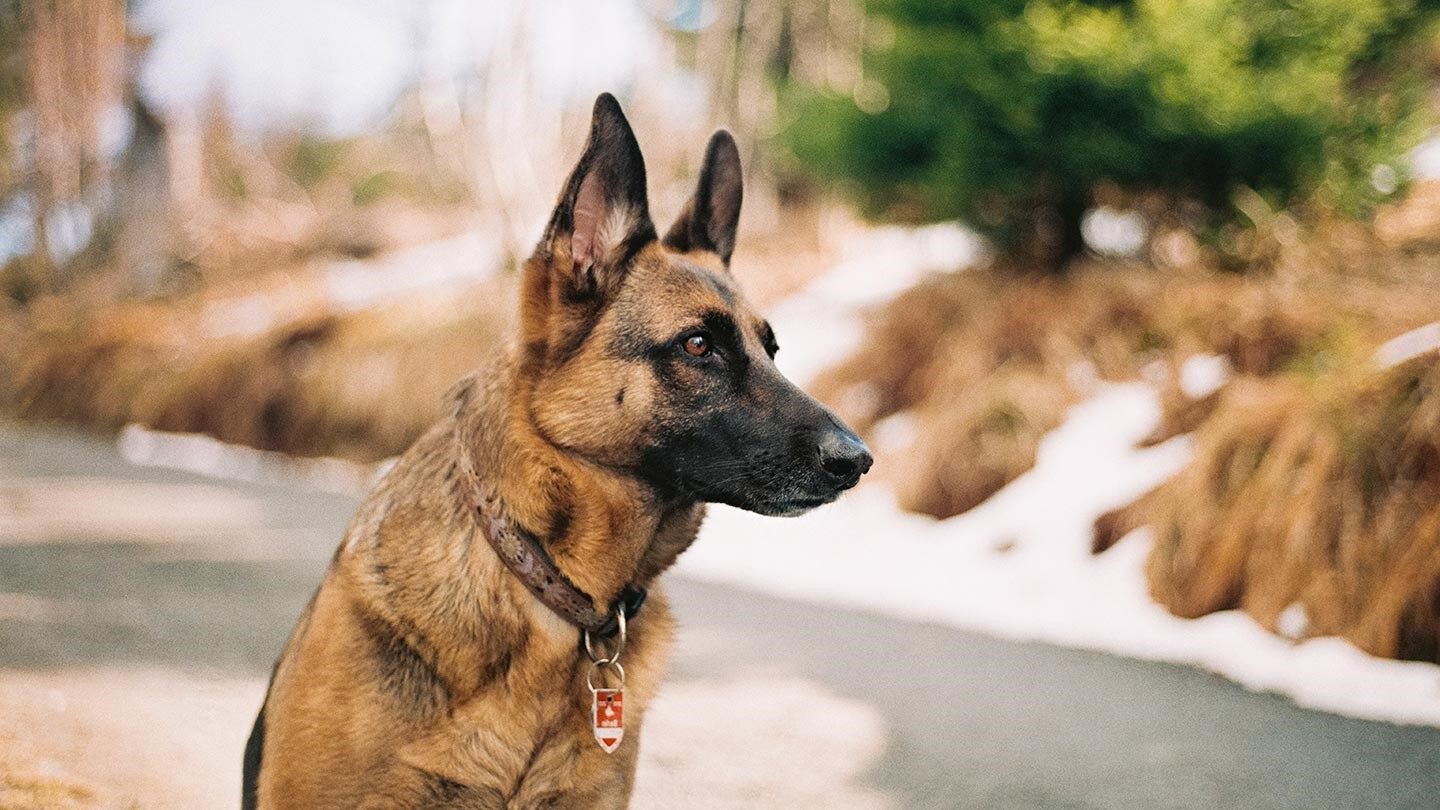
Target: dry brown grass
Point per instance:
(1316, 476)
(311, 380)
(11, 336)
(983, 361)
(977, 445)
(20, 792)
(361, 385)
(1322, 491)
(986, 361)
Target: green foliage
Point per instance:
(375, 186)
(1007, 112)
(314, 160)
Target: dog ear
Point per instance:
(710, 218)
(603, 215)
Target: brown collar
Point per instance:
(535, 569)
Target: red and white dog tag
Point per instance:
(607, 710)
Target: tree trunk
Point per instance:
(1050, 238)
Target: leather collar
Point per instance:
(537, 571)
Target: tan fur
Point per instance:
(424, 674)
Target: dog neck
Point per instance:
(603, 528)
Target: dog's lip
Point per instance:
(810, 501)
(756, 501)
(800, 504)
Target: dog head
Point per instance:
(641, 354)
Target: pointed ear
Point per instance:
(603, 215)
(712, 215)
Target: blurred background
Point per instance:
(1137, 300)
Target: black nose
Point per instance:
(844, 457)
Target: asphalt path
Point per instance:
(968, 720)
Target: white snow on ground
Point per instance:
(462, 259)
(1411, 344)
(203, 455)
(1113, 231)
(1203, 374)
(821, 323)
(1425, 159)
(446, 266)
(1019, 565)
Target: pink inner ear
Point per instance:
(589, 213)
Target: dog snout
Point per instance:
(844, 457)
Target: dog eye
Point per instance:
(697, 345)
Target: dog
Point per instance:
(465, 647)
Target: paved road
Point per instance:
(966, 720)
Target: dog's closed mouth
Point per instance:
(795, 506)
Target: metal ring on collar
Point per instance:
(604, 663)
(619, 642)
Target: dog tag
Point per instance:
(607, 709)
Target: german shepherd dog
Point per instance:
(432, 669)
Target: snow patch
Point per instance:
(246, 316)
(1293, 622)
(355, 284)
(1425, 159)
(203, 455)
(1409, 345)
(1202, 375)
(821, 324)
(1114, 231)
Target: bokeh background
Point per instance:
(1137, 300)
